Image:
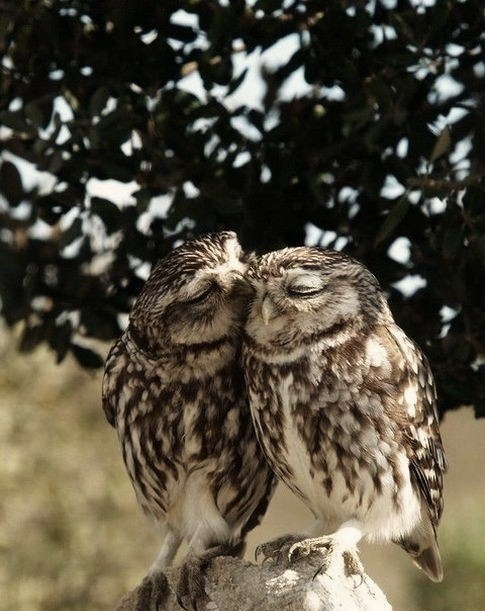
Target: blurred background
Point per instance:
(73, 539)
(128, 126)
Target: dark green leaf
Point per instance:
(98, 101)
(31, 337)
(11, 183)
(14, 120)
(453, 241)
(60, 340)
(72, 233)
(237, 82)
(108, 212)
(34, 115)
(442, 145)
(100, 323)
(394, 217)
(86, 357)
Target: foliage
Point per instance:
(364, 121)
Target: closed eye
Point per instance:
(303, 291)
(200, 297)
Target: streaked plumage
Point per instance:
(344, 402)
(173, 388)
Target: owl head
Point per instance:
(302, 291)
(193, 295)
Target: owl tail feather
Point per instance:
(422, 546)
(429, 560)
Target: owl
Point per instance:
(173, 388)
(344, 405)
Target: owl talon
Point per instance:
(307, 547)
(351, 562)
(152, 592)
(277, 549)
(191, 594)
(352, 565)
(143, 595)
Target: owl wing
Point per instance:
(260, 510)
(113, 379)
(268, 482)
(418, 417)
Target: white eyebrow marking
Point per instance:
(233, 263)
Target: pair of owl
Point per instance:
(234, 369)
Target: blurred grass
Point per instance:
(70, 533)
(73, 539)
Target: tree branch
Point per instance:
(442, 184)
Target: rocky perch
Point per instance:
(237, 585)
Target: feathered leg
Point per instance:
(154, 589)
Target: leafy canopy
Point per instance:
(357, 125)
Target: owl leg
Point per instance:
(191, 594)
(340, 546)
(169, 548)
(154, 589)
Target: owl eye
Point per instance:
(200, 297)
(304, 291)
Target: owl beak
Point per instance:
(268, 310)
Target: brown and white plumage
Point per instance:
(344, 402)
(173, 388)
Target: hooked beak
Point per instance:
(268, 310)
